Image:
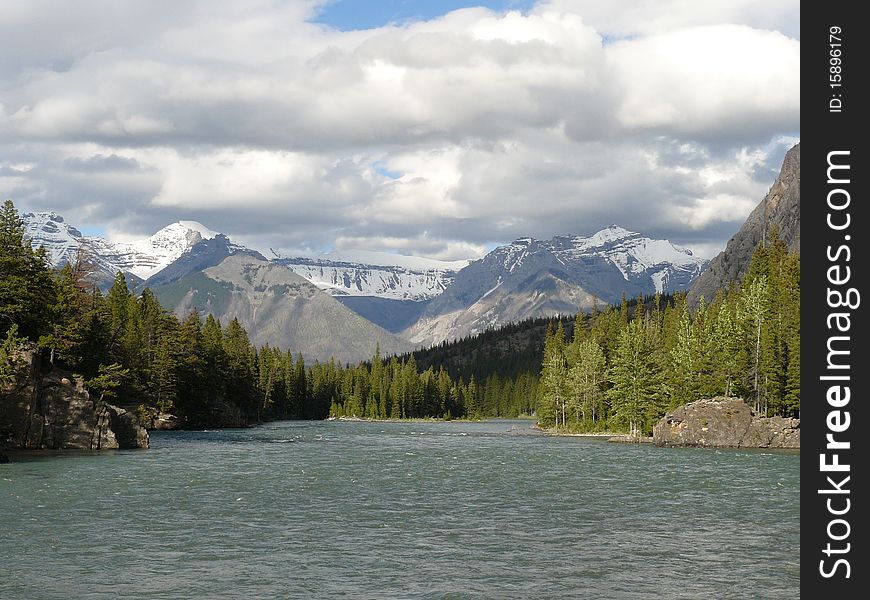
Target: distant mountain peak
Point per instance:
(534, 278)
(198, 227)
(142, 258)
(151, 255)
(523, 241)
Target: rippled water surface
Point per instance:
(399, 510)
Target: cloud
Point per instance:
(443, 136)
(713, 82)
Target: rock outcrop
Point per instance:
(54, 410)
(780, 209)
(162, 421)
(725, 423)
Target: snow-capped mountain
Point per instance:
(670, 267)
(534, 278)
(428, 300)
(63, 242)
(149, 256)
(142, 258)
(276, 306)
(338, 275)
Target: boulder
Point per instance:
(164, 421)
(725, 423)
(128, 431)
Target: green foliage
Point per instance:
(27, 287)
(659, 353)
(10, 361)
(637, 377)
(617, 366)
(107, 380)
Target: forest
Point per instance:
(618, 368)
(624, 369)
(128, 348)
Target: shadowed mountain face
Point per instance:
(780, 209)
(392, 315)
(202, 255)
(533, 278)
(280, 308)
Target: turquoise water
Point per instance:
(399, 510)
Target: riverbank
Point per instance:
(554, 431)
(417, 420)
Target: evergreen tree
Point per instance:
(636, 374)
(555, 390)
(727, 349)
(27, 288)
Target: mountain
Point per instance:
(278, 307)
(149, 256)
(780, 209)
(141, 258)
(425, 301)
(532, 278)
(208, 252)
(375, 274)
(63, 242)
(387, 289)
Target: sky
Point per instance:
(430, 128)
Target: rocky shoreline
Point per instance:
(48, 408)
(723, 422)
(719, 422)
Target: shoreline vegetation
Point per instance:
(613, 371)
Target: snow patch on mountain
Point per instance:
(343, 278)
(632, 253)
(388, 259)
(49, 230)
(149, 256)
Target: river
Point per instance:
(399, 510)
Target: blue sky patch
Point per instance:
(365, 14)
(381, 168)
(93, 230)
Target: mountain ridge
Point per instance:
(536, 278)
(524, 279)
(278, 307)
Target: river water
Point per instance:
(399, 510)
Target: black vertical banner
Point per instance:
(834, 414)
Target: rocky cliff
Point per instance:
(53, 410)
(725, 423)
(780, 210)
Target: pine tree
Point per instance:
(555, 391)
(727, 349)
(27, 288)
(192, 368)
(684, 383)
(636, 374)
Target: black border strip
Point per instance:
(832, 117)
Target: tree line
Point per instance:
(623, 369)
(127, 346)
(620, 367)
